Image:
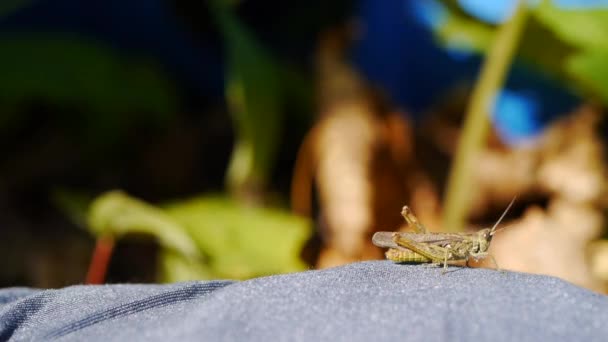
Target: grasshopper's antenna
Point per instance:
(493, 231)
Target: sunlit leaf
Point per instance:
(591, 69)
(585, 28)
(242, 241)
(115, 213)
(465, 34)
(539, 46)
(236, 241)
(176, 267)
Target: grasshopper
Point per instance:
(436, 248)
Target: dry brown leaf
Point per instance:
(357, 154)
(551, 242)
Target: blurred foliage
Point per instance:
(583, 28)
(215, 236)
(74, 205)
(566, 43)
(252, 93)
(117, 214)
(590, 68)
(99, 94)
(586, 30)
(9, 6)
(243, 241)
(108, 91)
(207, 237)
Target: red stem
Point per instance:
(100, 260)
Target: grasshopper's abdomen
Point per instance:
(405, 255)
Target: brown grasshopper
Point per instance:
(436, 248)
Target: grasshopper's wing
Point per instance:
(387, 239)
(384, 240)
(437, 239)
(431, 251)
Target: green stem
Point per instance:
(476, 124)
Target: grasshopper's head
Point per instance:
(485, 235)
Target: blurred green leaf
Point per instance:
(117, 214)
(109, 91)
(236, 241)
(591, 69)
(539, 46)
(253, 94)
(175, 267)
(243, 241)
(584, 28)
(569, 45)
(465, 34)
(73, 204)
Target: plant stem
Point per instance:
(100, 260)
(476, 124)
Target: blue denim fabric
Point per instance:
(365, 301)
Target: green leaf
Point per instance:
(176, 267)
(584, 28)
(117, 214)
(73, 204)
(465, 34)
(253, 94)
(242, 241)
(539, 46)
(591, 69)
(238, 241)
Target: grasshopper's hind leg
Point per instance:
(435, 254)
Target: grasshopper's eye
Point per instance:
(486, 234)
